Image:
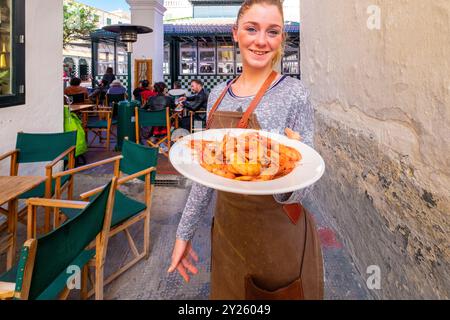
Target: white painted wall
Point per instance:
(151, 45)
(43, 111)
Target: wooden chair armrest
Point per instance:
(90, 193)
(60, 157)
(88, 166)
(135, 175)
(123, 180)
(56, 203)
(8, 154)
(7, 290)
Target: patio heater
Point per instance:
(128, 34)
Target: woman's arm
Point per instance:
(196, 206)
(200, 196)
(303, 123)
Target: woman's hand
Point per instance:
(182, 257)
(292, 134)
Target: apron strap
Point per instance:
(243, 123)
(217, 103)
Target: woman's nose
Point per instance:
(261, 39)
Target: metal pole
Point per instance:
(129, 76)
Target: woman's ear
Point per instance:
(235, 30)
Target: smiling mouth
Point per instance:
(259, 53)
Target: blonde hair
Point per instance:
(278, 3)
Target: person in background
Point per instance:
(199, 99)
(146, 94)
(176, 85)
(109, 76)
(116, 87)
(76, 88)
(157, 103)
(160, 101)
(197, 102)
(99, 92)
(144, 86)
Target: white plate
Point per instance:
(307, 172)
(177, 92)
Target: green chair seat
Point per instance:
(39, 191)
(100, 124)
(54, 289)
(124, 208)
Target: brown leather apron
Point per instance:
(261, 249)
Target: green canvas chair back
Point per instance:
(152, 118)
(115, 98)
(56, 250)
(37, 147)
(137, 157)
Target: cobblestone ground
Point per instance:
(149, 280)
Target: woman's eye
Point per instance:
(274, 33)
(251, 30)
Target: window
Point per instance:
(188, 58)
(108, 21)
(122, 60)
(207, 58)
(290, 62)
(238, 61)
(12, 52)
(105, 57)
(225, 58)
(166, 62)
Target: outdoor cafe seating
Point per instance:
(40, 272)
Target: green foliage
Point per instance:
(79, 21)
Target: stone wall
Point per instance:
(382, 99)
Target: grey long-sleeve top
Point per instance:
(285, 105)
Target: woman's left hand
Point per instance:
(292, 134)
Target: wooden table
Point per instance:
(10, 188)
(81, 106)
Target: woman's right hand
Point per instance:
(183, 257)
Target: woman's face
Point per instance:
(260, 35)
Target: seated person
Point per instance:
(116, 87)
(144, 86)
(160, 101)
(76, 88)
(145, 95)
(196, 102)
(99, 92)
(199, 100)
(177, 92)
(176, 85)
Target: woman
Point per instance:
(263, 247)
(116, 87)
(138, 91)
(75, 88)
(160, 101)
(157, 103)
(109, 76)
